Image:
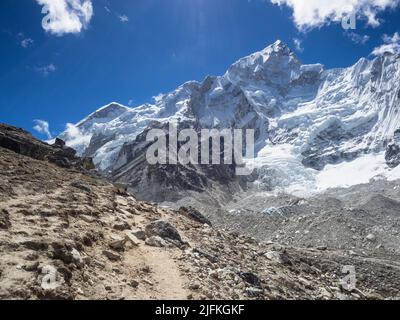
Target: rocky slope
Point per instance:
(65, 234)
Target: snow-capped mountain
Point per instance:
(315, 128)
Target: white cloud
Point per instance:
(308, 14)
(298, 44)
(66, 16)
(75, 138)
(25, 43)
(123, 18)
(46, 70)
(357, 38)
(391, 44)
(42, 127)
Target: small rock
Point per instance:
(77, 258)
(194, 286)
(140, 234)
(251, 278)
(325, 293)
(254, 292)
(31, 267)
(156, 241)
(36, 245)
(121, 226)
(148, 282)
(80, 186)
(88, 219)
(322, 248)
(134, 284)
(117, 243)
(111, 255)
(131, 238)
(371, 237)
(273, 256)
(32, 256)
(212, 258)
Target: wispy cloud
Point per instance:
(298, 44)
(42, 127)
(75, 137)
(123, 18)
(66, 16)
(46, 70)
(24, 41)
(357, 38)
(390, 44)
(308, 14)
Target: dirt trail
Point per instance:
(164, 280)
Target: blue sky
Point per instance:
(131, 50)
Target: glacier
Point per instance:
(316, 128)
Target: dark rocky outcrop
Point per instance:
(22, 142)
(162, 182)
(392, 155)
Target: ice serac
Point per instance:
(309, 121)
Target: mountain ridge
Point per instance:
(315, 117)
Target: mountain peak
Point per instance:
(279, 47)
(107, 113)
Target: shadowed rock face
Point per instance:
(22, 142)
(169, 182)
(392, 155)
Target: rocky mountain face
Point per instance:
(22, 142)
(307, 119)
(65, 234)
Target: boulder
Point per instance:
(163, 229)
(194, 214)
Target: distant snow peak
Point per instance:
(308, 121)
